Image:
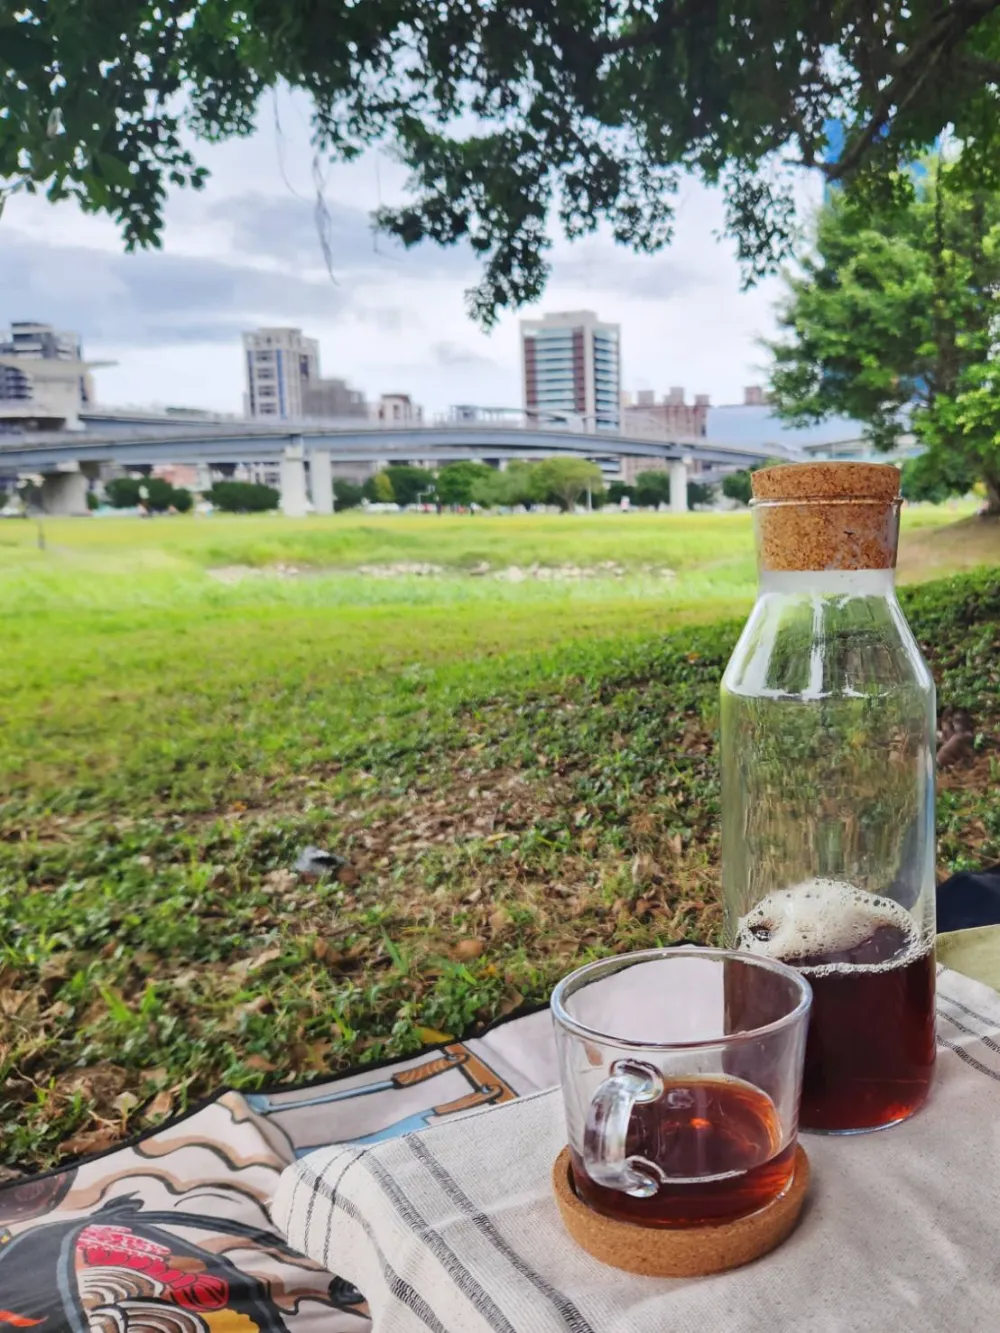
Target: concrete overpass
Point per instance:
(66, 460)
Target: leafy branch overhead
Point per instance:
(513, 116)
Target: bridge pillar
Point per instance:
(321, 481)
(679, 486)
(64, 493)
(203, 478)
(293, 481)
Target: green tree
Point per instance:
(515, 486)
(123, 492)
(154, 492)
(408, 483)
(894, 320)
(699, 494)
(619, 491)
(509, 116)
(934, 476)
(378, 489)
(346, 494)
(243, 497)
(736, 486)
(566, 479)
(456, 481)
(652, 488)
(161, 496)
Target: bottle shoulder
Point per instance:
(813, 647)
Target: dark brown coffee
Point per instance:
(871, 1044)
(718, 1140)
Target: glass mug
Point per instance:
(681, 1076)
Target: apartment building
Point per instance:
(572, 370)
(44, 381)
(281, 364)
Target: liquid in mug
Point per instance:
(720, 1141)
(871, 1044)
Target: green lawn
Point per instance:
(516, 775)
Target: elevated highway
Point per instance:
(65, 459)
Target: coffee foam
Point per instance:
(824, 916)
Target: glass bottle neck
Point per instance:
(828, 582)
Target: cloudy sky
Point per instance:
(245, 252)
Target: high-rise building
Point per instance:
(572, 370)
(280, 365)
(283, 379)
(44, 380)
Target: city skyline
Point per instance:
(571, 370)
(244, 253)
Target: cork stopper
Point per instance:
(820, 516)
(686, 1252)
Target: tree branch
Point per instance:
(947, 28)
(988, 69)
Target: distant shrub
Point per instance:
(123, 492)
(378, 489)
(409, 484)
(154, 492)
(652, 489)
(346, 494)
(243, 497)
(736, 486)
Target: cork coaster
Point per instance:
(687, 1252)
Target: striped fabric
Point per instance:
(453, 1229)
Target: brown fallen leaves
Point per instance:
(466, 950)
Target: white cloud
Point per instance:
(245, 250)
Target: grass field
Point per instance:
(516, 774)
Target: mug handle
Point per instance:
(632, 1083)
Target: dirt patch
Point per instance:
(232, 574)
(927, 552)
(408, 569)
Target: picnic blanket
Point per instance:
(175, 1231)
(456, 1229)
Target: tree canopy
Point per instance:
(157, 494)
(513, 117)
(378, 489)
(652, 488)
(894, 320)
(243, 497)
(410, 484)
(346, 494)
(566, 479)
(456, 482)
(518, 485)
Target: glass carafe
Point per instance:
(828, 725)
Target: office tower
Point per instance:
(572, 370)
